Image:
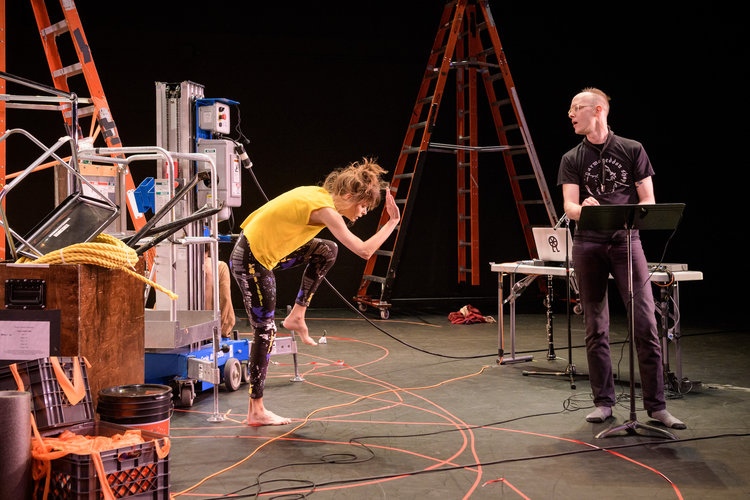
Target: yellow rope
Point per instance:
(104, 251)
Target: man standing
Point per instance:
(605, 169)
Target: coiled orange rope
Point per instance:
(104, 251)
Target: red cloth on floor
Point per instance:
(467, 315)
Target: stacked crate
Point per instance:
(132, 472)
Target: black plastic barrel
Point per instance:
(144, 406)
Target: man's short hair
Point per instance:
(601, 98)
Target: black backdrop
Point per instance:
(324, 83)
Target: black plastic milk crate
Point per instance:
(132, 472)
(49, 404)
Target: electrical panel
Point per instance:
(228, 171)
(214, 117)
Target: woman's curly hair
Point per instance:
(362, 179)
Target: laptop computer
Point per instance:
(550, 244)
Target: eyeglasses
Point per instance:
(575, 108)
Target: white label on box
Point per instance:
(24, 340)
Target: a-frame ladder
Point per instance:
(71, 27)
(467, 41)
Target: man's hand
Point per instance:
(590, 202)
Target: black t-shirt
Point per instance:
(625, 162)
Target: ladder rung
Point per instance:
(73, 69)
(384, 253)
(55, 29)
(501, 102)
(530, 202)
(464, 191)
(401, 201)
(464, 269)
(464, 164)
(440, 50)
(404, 176)
(486, 52)
(464, 217)
(426, 99)
(512, 126)
(370, 277)
(524, 177)
(496, 76)
(479, 27)
(419, 125)
(410, 149)
(87, 111)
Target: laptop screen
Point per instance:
(551, 245)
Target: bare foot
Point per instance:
(298, 326)
(266, 418)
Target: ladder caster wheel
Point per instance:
(578, 309)
(362, 306)
(385, 314)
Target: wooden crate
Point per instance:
(101, 317)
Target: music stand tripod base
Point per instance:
(632, 426)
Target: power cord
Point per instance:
(510, 460)
(569, 404)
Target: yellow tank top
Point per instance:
(280, 227)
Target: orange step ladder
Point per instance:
(467, 41)
(99, 112)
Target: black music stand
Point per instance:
(629, 217)
(570, 370)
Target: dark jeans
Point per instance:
(593, 264)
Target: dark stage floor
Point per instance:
(396, 417)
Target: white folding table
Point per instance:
(669, 292)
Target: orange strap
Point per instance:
(41, 468)
(162, 452)
(74, 391)
(99, 466)
(14, 371)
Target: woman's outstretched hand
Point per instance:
(391, 207)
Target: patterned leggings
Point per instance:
(258, 287)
